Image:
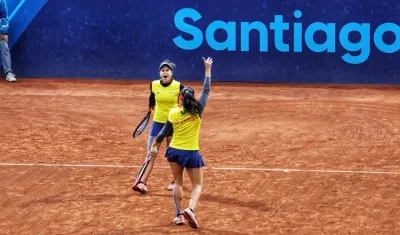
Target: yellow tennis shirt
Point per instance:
(166, 98)
(186, 129)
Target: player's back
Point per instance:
(186, 129)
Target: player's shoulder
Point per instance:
(156, 83)
(176, 81)
(174, 110)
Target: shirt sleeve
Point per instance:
(205, 93)
(163, 133)
(152, 98)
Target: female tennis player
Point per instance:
(164, 93)
(183, 151)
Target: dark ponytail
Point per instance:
(190, 104)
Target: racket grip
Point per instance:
(154, 149)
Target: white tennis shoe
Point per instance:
(11, 77)
(191, 219)
(179, 220)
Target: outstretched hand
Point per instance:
(207, 63)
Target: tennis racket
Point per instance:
(142, 125)
(143, 168)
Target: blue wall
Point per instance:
(129, 38)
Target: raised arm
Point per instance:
(207, 82)
(205, 92)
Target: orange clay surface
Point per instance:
(68, 160)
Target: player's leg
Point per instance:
(143, 174)
(195, 172)
(196, 177)
(177, 192)
(171, 185)
(151, 163)
(142, 185)
(156, 127)
(168, 139)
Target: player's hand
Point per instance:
(154, 149)
(207, 63)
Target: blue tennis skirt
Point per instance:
(185, 158)
(156, 127)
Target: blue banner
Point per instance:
(21, 13)
(344, 41)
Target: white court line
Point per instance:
(286, 170)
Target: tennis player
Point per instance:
(183, 151)
(164, 93)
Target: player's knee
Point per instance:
(197, 182)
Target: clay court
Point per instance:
(295, 159)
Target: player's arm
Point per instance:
(164, 131)
(205, 92)
(152, 99)
(207, 83)
(160, 137)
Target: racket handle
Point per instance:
(154, 149)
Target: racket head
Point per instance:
(142, 126)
